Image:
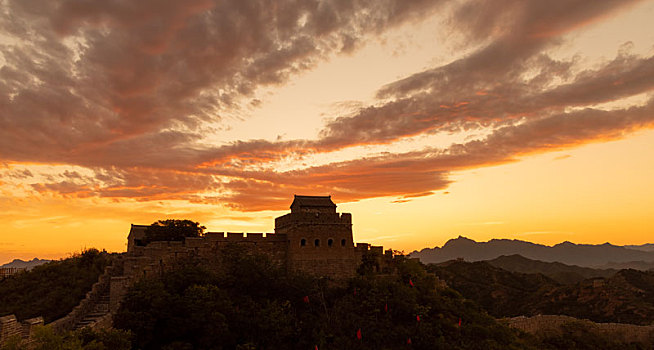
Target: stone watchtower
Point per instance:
(320, 239)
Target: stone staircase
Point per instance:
(95, 309)
(99, 312)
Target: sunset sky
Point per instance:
(426, 120)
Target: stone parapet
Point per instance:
(555, 324)
(29, 325)
(10, 328)
(9, 271)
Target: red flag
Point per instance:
(359, 333)
(408, 341)
(386, 307)
(418, 318)
(306, 299)
(411, 282)
(459, 321)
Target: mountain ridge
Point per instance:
(583, 255)
(562, 273)
(26, 264)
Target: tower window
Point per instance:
(317, 242)
(303, 242)
(330, 242)
(342, 243)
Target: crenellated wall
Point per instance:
(160, 256)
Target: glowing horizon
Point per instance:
(424, 119)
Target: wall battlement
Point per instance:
(312, 219)
(137, 234)
(313, 238)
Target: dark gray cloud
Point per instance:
(84, 77)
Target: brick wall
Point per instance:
(10, 327)
(157, 257)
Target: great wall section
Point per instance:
(313, 239)
(557, 324)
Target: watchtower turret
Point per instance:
(320, 239)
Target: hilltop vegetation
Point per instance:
(53, 289)
(255, 305)
(502, 293)
(626, 297)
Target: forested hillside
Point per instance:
(254, 305)
(562, 273)
(53, 289)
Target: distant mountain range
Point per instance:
(26, 264)
(649, 247)
(587, 255)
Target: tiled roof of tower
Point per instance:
(138, 227)
(312, 201)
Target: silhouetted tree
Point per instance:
(173, 230)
